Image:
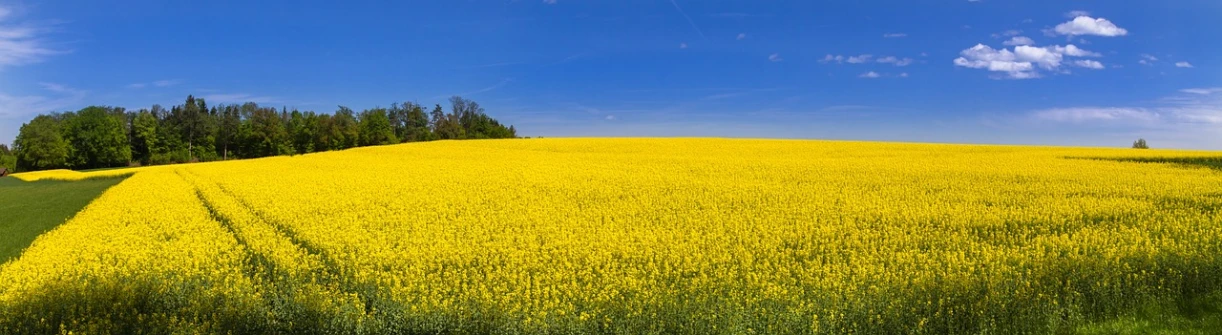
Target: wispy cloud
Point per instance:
(550, 2)
(20, 44)
(1191, 118)
(1202, 91)
(1147, 59)
(774, 58)
(870, 75)
(498, 85)
(741, 36)
(156, 83)
(1076, 13)
(682, 45)
(689, 19)
(1183, 64)
(894, 35)
(733, 15)
(15, 109)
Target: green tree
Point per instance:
(97, 138)
(346, 132)
(416, 124)
(144, 136)
(192, 123)
(268, 135)
(376, 128)
(228, 129)
(8, 159)
(1140, 144)
(40, 145)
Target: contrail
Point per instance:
(689, 19)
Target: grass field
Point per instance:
(639, 236)
(31, 208)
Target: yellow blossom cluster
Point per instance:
(633, 236)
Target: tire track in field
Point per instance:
(305, 286)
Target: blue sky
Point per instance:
(1094, 73)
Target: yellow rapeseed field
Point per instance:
(634, 236)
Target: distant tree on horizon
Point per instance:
(1140, 144)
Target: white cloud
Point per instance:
(1019, 40)
(1020, 63)
(1096, 114)
(859, 59)
(1090, 64)
(682, 45)
(1076, 13)
(774, 58)
(610, 117)
(894, 35)
(895, 61)
(20, 44)
(1147, 59)
(870, 74)
(1183, 64)
(1202, 91)
(1200, 107)
(1072, 50)
(830, 58)
(1085, 25)
(742, 36)
(903, 74)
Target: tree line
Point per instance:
(102, 136)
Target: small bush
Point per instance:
(1140, 144)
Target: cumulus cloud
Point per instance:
(1073, 50)
(1019, 40)
(1086, 25)
(1090, 64)
(1183, 64)
(1023, 62)
(774, 58)
(870, 75)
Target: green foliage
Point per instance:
(8, 159)
(375, 128)
(40, 145)
(99, 137)
(1140, 144)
